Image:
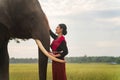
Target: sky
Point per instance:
(93, 28)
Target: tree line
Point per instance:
(84, 59)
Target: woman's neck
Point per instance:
(59, 35)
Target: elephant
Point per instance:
(24, 19)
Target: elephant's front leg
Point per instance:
(4, 61)
(42, 66)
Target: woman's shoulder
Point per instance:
(62, 38)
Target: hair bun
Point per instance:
(64, 32)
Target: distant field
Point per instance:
(74, 72)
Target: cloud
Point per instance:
(82, 11)
(108, 44)
(115, 20)
(65, 7)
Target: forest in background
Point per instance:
(84, 59)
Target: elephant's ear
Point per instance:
(38, 42)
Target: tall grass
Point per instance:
(74, 72)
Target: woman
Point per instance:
(59, 50)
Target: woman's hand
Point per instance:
(54, 55)
(57, 55)
(51, 53)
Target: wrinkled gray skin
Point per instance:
(22, 19)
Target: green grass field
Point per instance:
(74, 72)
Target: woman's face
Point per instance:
(58, 30)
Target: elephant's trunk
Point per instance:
(38, 42)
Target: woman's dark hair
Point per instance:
(64, 27)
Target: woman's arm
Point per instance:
(63, 47)
(54, 36)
